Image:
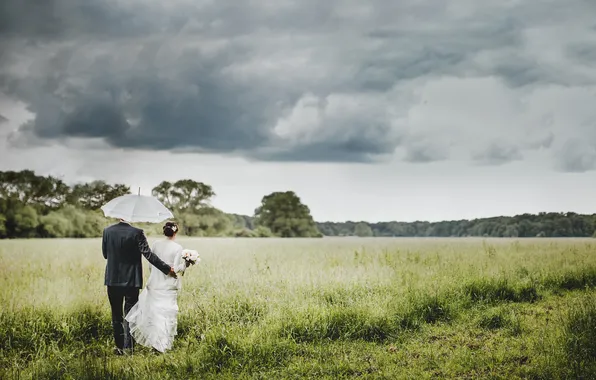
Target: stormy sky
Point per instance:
(369, 110)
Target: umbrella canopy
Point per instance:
(137, 208)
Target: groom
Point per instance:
(122, 246)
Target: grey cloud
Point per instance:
(519, 72)
(195, 106)
(3, 119)
(419, 155)
(543, 142)
(329, 151)
(218, 76)
(583, 52)
(56, 19)
(577, 156)
(334, 128)
(406, 53)
(497, 154)
(425, 152)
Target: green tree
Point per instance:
(214, 222)
(55, 224)
(242, 221)
(95, 194)
(285, 215)
(85, 223)
(259, 232)
(207, 221)
(190, 225)
(262, 232)
(511, 231)
(184, 195)
(25, 221)
(2, 226)
(31, 189)
(363, 230)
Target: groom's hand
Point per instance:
(172, 273)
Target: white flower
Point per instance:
(191, 255)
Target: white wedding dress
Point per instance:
(153, 321)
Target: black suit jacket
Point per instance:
(122, 246)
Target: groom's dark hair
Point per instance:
(170, 228)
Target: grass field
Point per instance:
(320, 308)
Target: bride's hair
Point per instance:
(170, 228)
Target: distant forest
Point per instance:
(525, 225)
(33, 206)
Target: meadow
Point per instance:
(316, 308)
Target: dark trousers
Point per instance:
(117, 296)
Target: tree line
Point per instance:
(34, 206)
(543, 224)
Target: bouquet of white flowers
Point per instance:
(190, 256)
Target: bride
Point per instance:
(153, 320)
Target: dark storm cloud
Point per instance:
(331, 151)
(43, 20)
(222, 76)
(193, 106)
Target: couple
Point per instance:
(151, 318)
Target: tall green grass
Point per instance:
(580, 338)
(314, 308)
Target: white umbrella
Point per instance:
(137, 208)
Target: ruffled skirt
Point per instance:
(153, 321)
